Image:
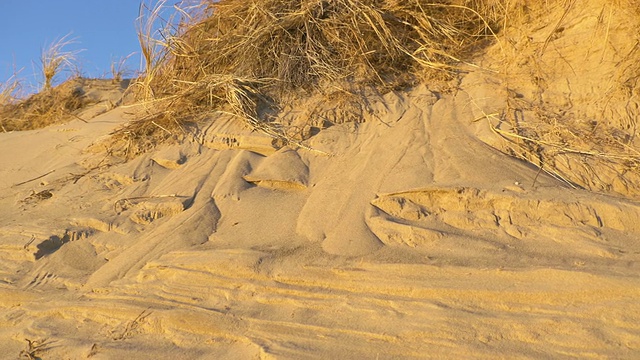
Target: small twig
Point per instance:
(533, 185)
(93, 351)
(133, 325)
(33, 238)
(34, 179)
(555, 28)
(167, 131)
(606, 36)
(80, 176)
(33, 349)
(74, 115)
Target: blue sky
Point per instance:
(105, 29)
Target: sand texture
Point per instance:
(410, 234)
(413, 239)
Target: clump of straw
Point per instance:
(243, 57)
(54, 59)
(55, 105)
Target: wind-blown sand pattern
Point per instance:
(406, 235)
(414, 239)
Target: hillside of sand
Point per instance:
(412, 233)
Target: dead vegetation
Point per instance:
(10, 90)
(34, 349)
(119, 69)
(573, 110)
(133, 326)
(55, 58)
(52, 104)
(254, 59)
(257, 59)
(246, 58)
(47, 107)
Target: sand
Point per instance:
(411, 234)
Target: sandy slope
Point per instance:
(413, 239)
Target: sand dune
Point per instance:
(411, 239)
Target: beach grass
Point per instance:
(245, 57)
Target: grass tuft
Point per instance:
(148, 25)
(10, 90)
(119, 69)
(245, 57)
(55, 59)
(55, 105)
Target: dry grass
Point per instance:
(588, 139)
(581, 156)
(245, 57)
(10, 90)
(148, 24)
(47, 107)
(34, 349)
(52, 104)
(55, 59)
(119, 69)
(590, 155)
